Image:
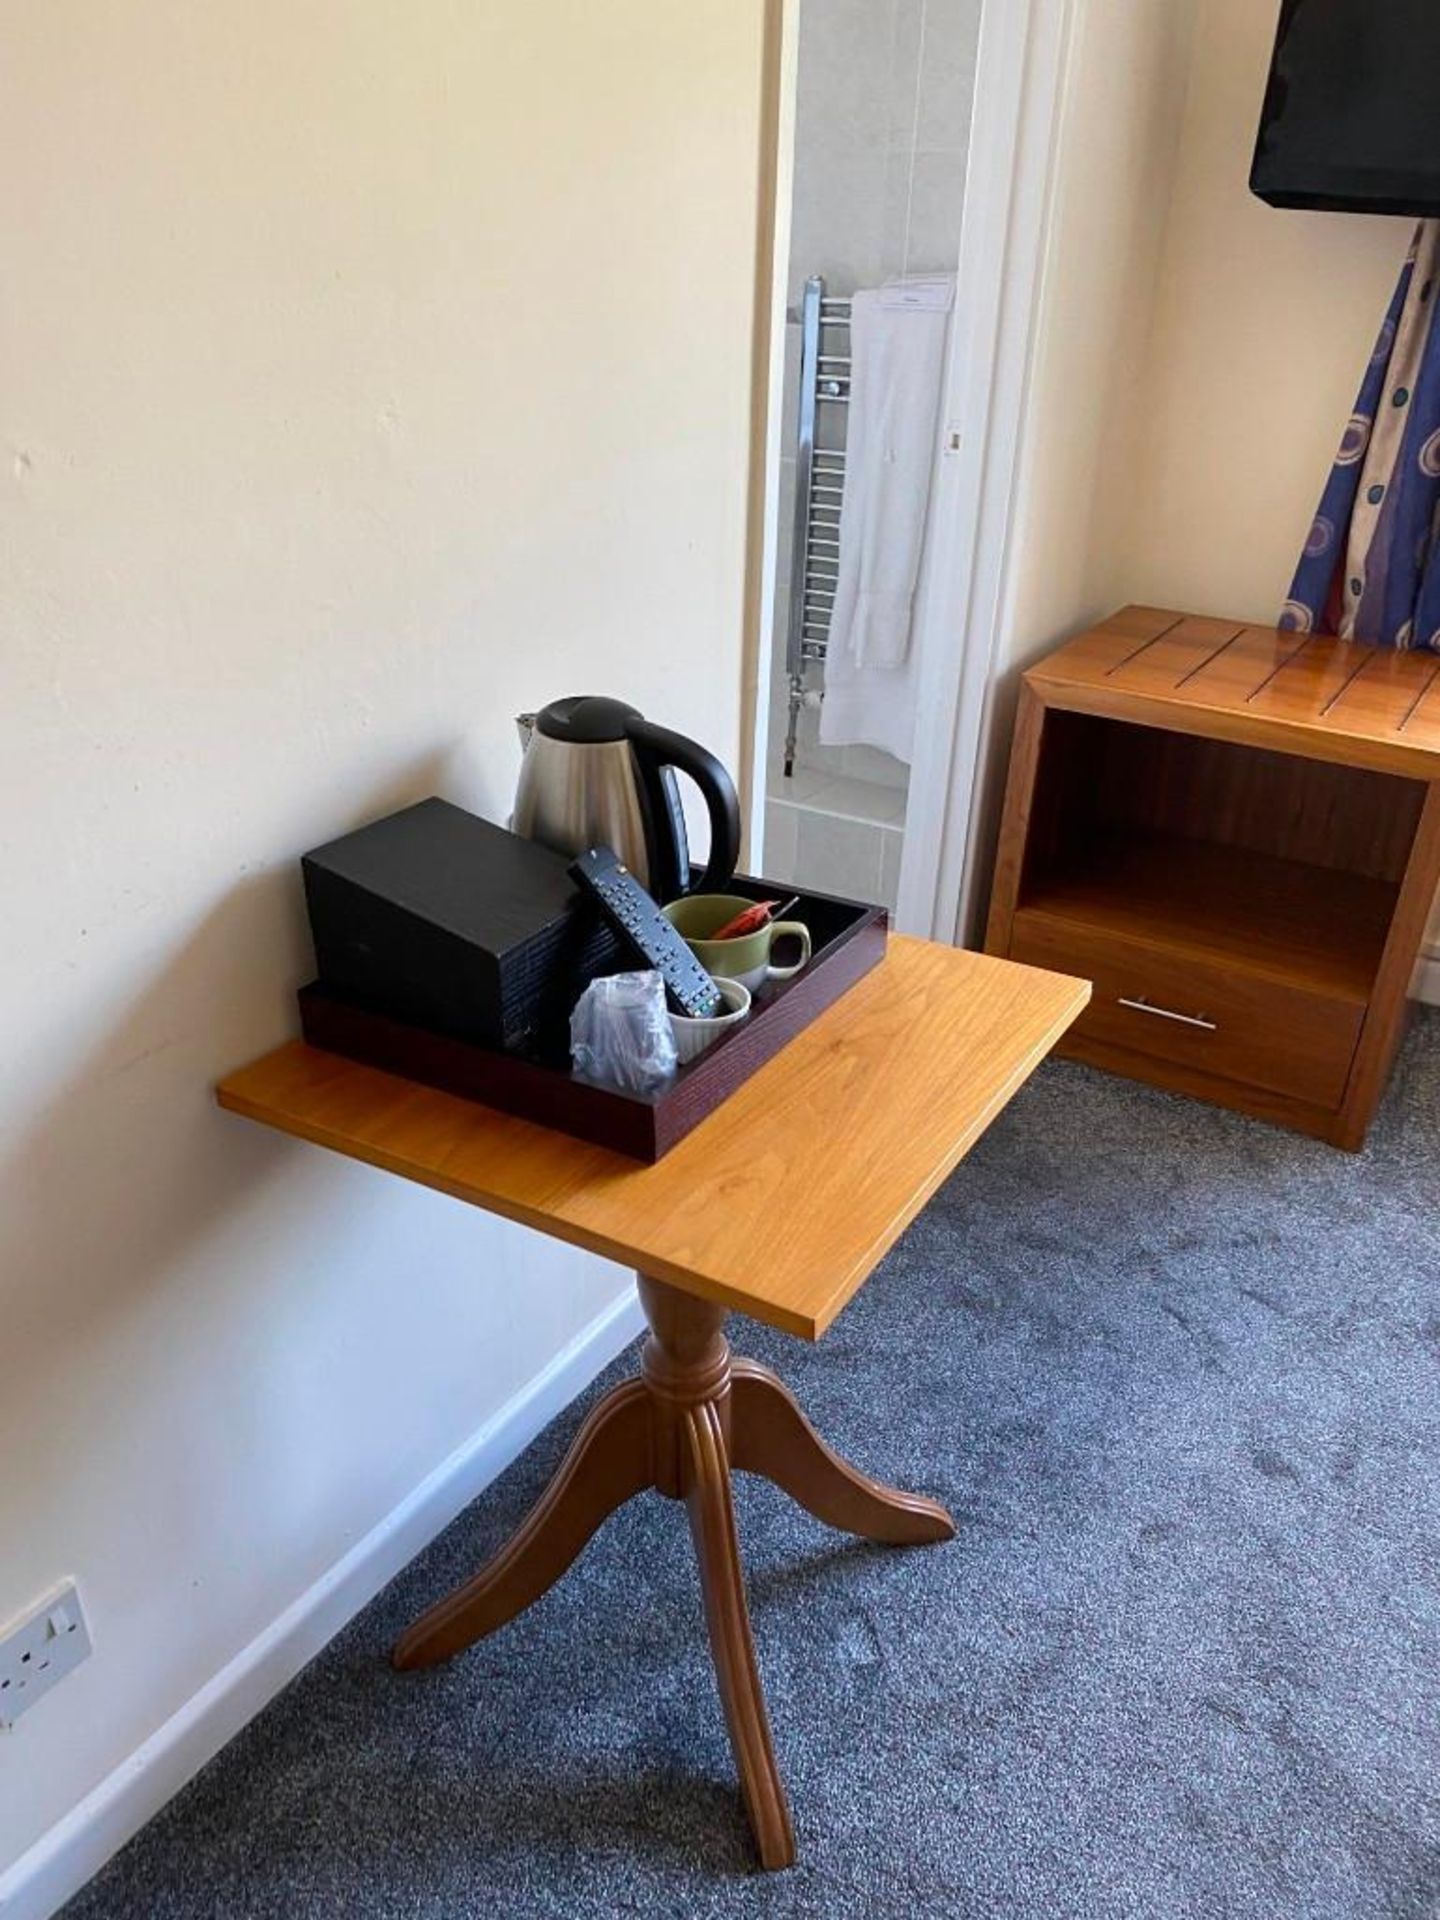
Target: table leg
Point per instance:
(772, 1437)
(608, 1464)
(732, 1646)
(692, 1416)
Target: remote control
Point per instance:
(637, 919)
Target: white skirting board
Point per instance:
(75, 1849)
(1426, 985)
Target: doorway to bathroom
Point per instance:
(883, 92)
(906, 141)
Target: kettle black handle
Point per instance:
(661, 754)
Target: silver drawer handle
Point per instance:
(1164, 1013)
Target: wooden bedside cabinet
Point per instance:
(1235, 834)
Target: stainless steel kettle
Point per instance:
(598, 773)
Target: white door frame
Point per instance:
(1020, 79)
(777, 177)
(1019, 91)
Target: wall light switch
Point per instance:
(39, 1648)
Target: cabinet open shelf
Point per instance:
(1287, 920)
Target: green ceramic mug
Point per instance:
(695, 916)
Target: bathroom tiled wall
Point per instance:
(882, 128)
(809, 846)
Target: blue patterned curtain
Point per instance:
(1371, 567)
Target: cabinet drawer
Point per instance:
(1169, 1005)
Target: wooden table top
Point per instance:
(1298, 693)
(783, 1201)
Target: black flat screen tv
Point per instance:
(1352, 112)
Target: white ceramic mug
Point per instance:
(693, 1036)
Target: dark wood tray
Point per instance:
(848, 940)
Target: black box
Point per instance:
(438, 918)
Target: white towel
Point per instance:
(898, 340)
(897, 345)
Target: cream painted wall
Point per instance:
(1263, 324)
(1117, 148)
(1198, 351)
(369, 373)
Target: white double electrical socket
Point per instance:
(39, 1648)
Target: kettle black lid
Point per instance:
(586, 720)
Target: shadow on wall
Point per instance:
(111, 1192)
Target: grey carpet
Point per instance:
(1179, 1378)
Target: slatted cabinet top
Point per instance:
(782, 1202)
(1294, 692)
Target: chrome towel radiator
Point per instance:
(824, 320)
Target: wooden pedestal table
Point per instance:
(779, 1206)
